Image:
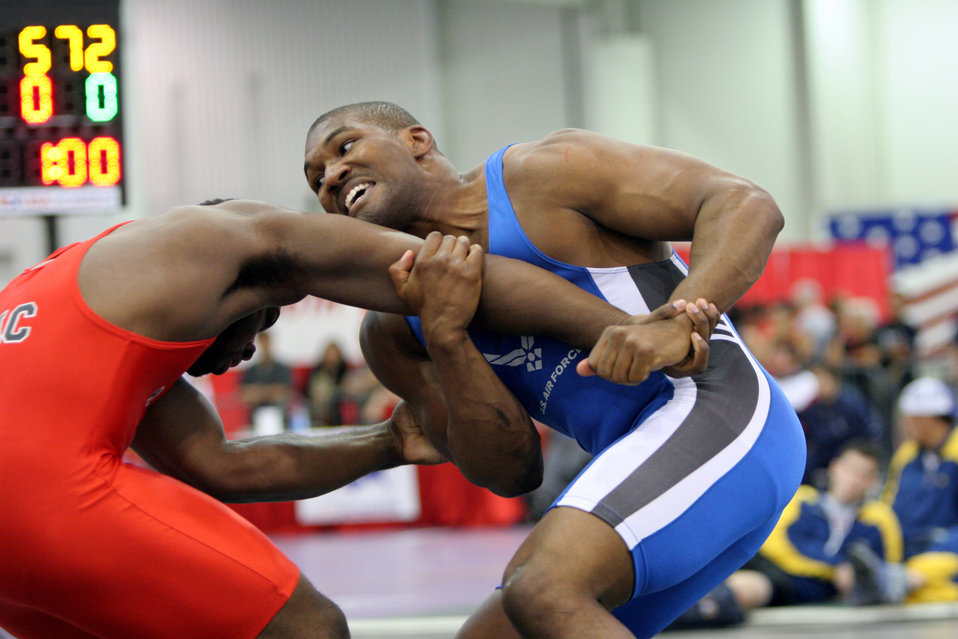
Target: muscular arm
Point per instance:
(663, 195)
(193, 271)
(181, 435)
(459, 403)
(516, 298)
(733, 235)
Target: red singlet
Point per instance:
(91, 546)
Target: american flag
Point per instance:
(924, 248)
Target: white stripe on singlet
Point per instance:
(619, 289)
(617, 463)
(673, 502)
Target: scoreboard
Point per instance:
(61, 121)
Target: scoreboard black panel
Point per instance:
(61, 121)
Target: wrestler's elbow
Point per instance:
(525, 483)
(741, 207)
(763, 210)
(512, 486)
(507, 477)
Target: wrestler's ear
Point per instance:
(418, 139)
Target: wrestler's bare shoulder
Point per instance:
(560, 147)
(166, 276)
(560, 186)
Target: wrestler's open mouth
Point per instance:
(355, 193)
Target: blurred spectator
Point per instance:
(922, 487)
(768, 331)
(931, 576)
(324, 387)
(812, 318)
(782, 326)
(837, 414)
(855, 342)
(896, 344)
(359, 387)
(265, 389)
(340, 394)
(836, 304)
(928, 577)
(779, 322)
(922, 482)
(832, 411)
(790, 369)
(951, 359)
(855, 352)
(784, 359)
(378, 406)
(806, 558)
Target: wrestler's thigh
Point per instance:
(143, 555)
(648, 614)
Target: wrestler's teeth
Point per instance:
(354, 193)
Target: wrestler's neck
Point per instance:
(456, 205)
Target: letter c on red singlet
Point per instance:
(11, 330)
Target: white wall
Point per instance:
(502, 76)
(918, 88)
(726, 91)
(844, 102)
(884, 86)
(221, 102)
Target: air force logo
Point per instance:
(528, 354)
(531, 356)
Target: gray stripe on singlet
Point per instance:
(726, 395)
(656, 281)
(720, 414)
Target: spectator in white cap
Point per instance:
(922, 483)
(922, 487)
(927, 397)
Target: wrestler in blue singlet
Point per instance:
(692, 473)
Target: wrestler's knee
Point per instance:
(307, 615)
(531, 592)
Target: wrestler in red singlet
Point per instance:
(94, 547)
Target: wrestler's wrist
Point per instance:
(684, 321)
(390, 438)
(445, 337)
(617, 317)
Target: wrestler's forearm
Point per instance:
(489, 435)
(733, 238)
(296, 466)
(521, 299)
(182, 435)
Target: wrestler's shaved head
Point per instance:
(385, 115)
